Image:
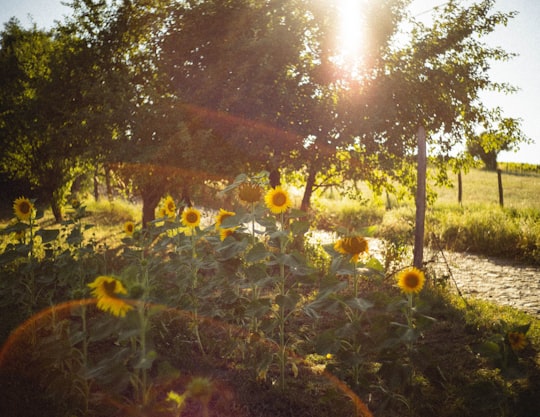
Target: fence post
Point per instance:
(460, 188)
(499, 178)
(418, 260)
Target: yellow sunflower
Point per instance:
(105, 288)
(23, 208)
(277, 200)
(250, 193)
(169, 207)
(352, 245)
(161, 213)
(222, 215)
(129, 228)
(225, 233)
(191, 217)
(517, 340)
(411, 280)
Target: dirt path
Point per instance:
(492, 279)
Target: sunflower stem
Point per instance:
(253, 240)
(195, 272)
(281, 314)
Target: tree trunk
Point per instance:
(420, 200)
(96, 184)
(108, 184)
(308, 191)
(150, 198)
(56, 208)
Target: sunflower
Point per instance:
(161, 213)
(105, 288)
(411, 280)
(250, 193)
(225, 233)
(222, 215)
(277, 200)
(517, 340)
(169, 207)
(191, 217)
(352, 245)
(129, 228)
(23, 208)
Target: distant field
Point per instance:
(481, 187)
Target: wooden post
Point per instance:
(499, 178)
(420, 199)
(460, 188)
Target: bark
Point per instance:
(150, 197)
(56, 208)
(308, 191)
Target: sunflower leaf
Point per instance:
(47, 235)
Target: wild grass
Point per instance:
(520, 191)
(478, 225)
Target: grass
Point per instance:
(478, 225)
(480, 187)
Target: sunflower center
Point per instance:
(109, 287)
(279, 199)
(355, 245)
(24, 207)
(192, 217)
(412, 281)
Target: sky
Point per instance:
(521, 36)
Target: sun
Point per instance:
(350, 36)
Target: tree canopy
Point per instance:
(172, 92)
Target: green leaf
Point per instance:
(47, 235)
(10, 256)
(299, 228)
(146, 361)
(489, 349)
(258, 308)
(360, 304)
(232, 221)
(14, 228)
(75, 237)
(288, 301)
(327, 342)
(257, 253)
(231, 248)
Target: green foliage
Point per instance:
(480, 225)
(490, 230)
(487, 145)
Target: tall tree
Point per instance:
(150, 142)
(42, 101)
(432, 80)
(235, 66)
(487, 145)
